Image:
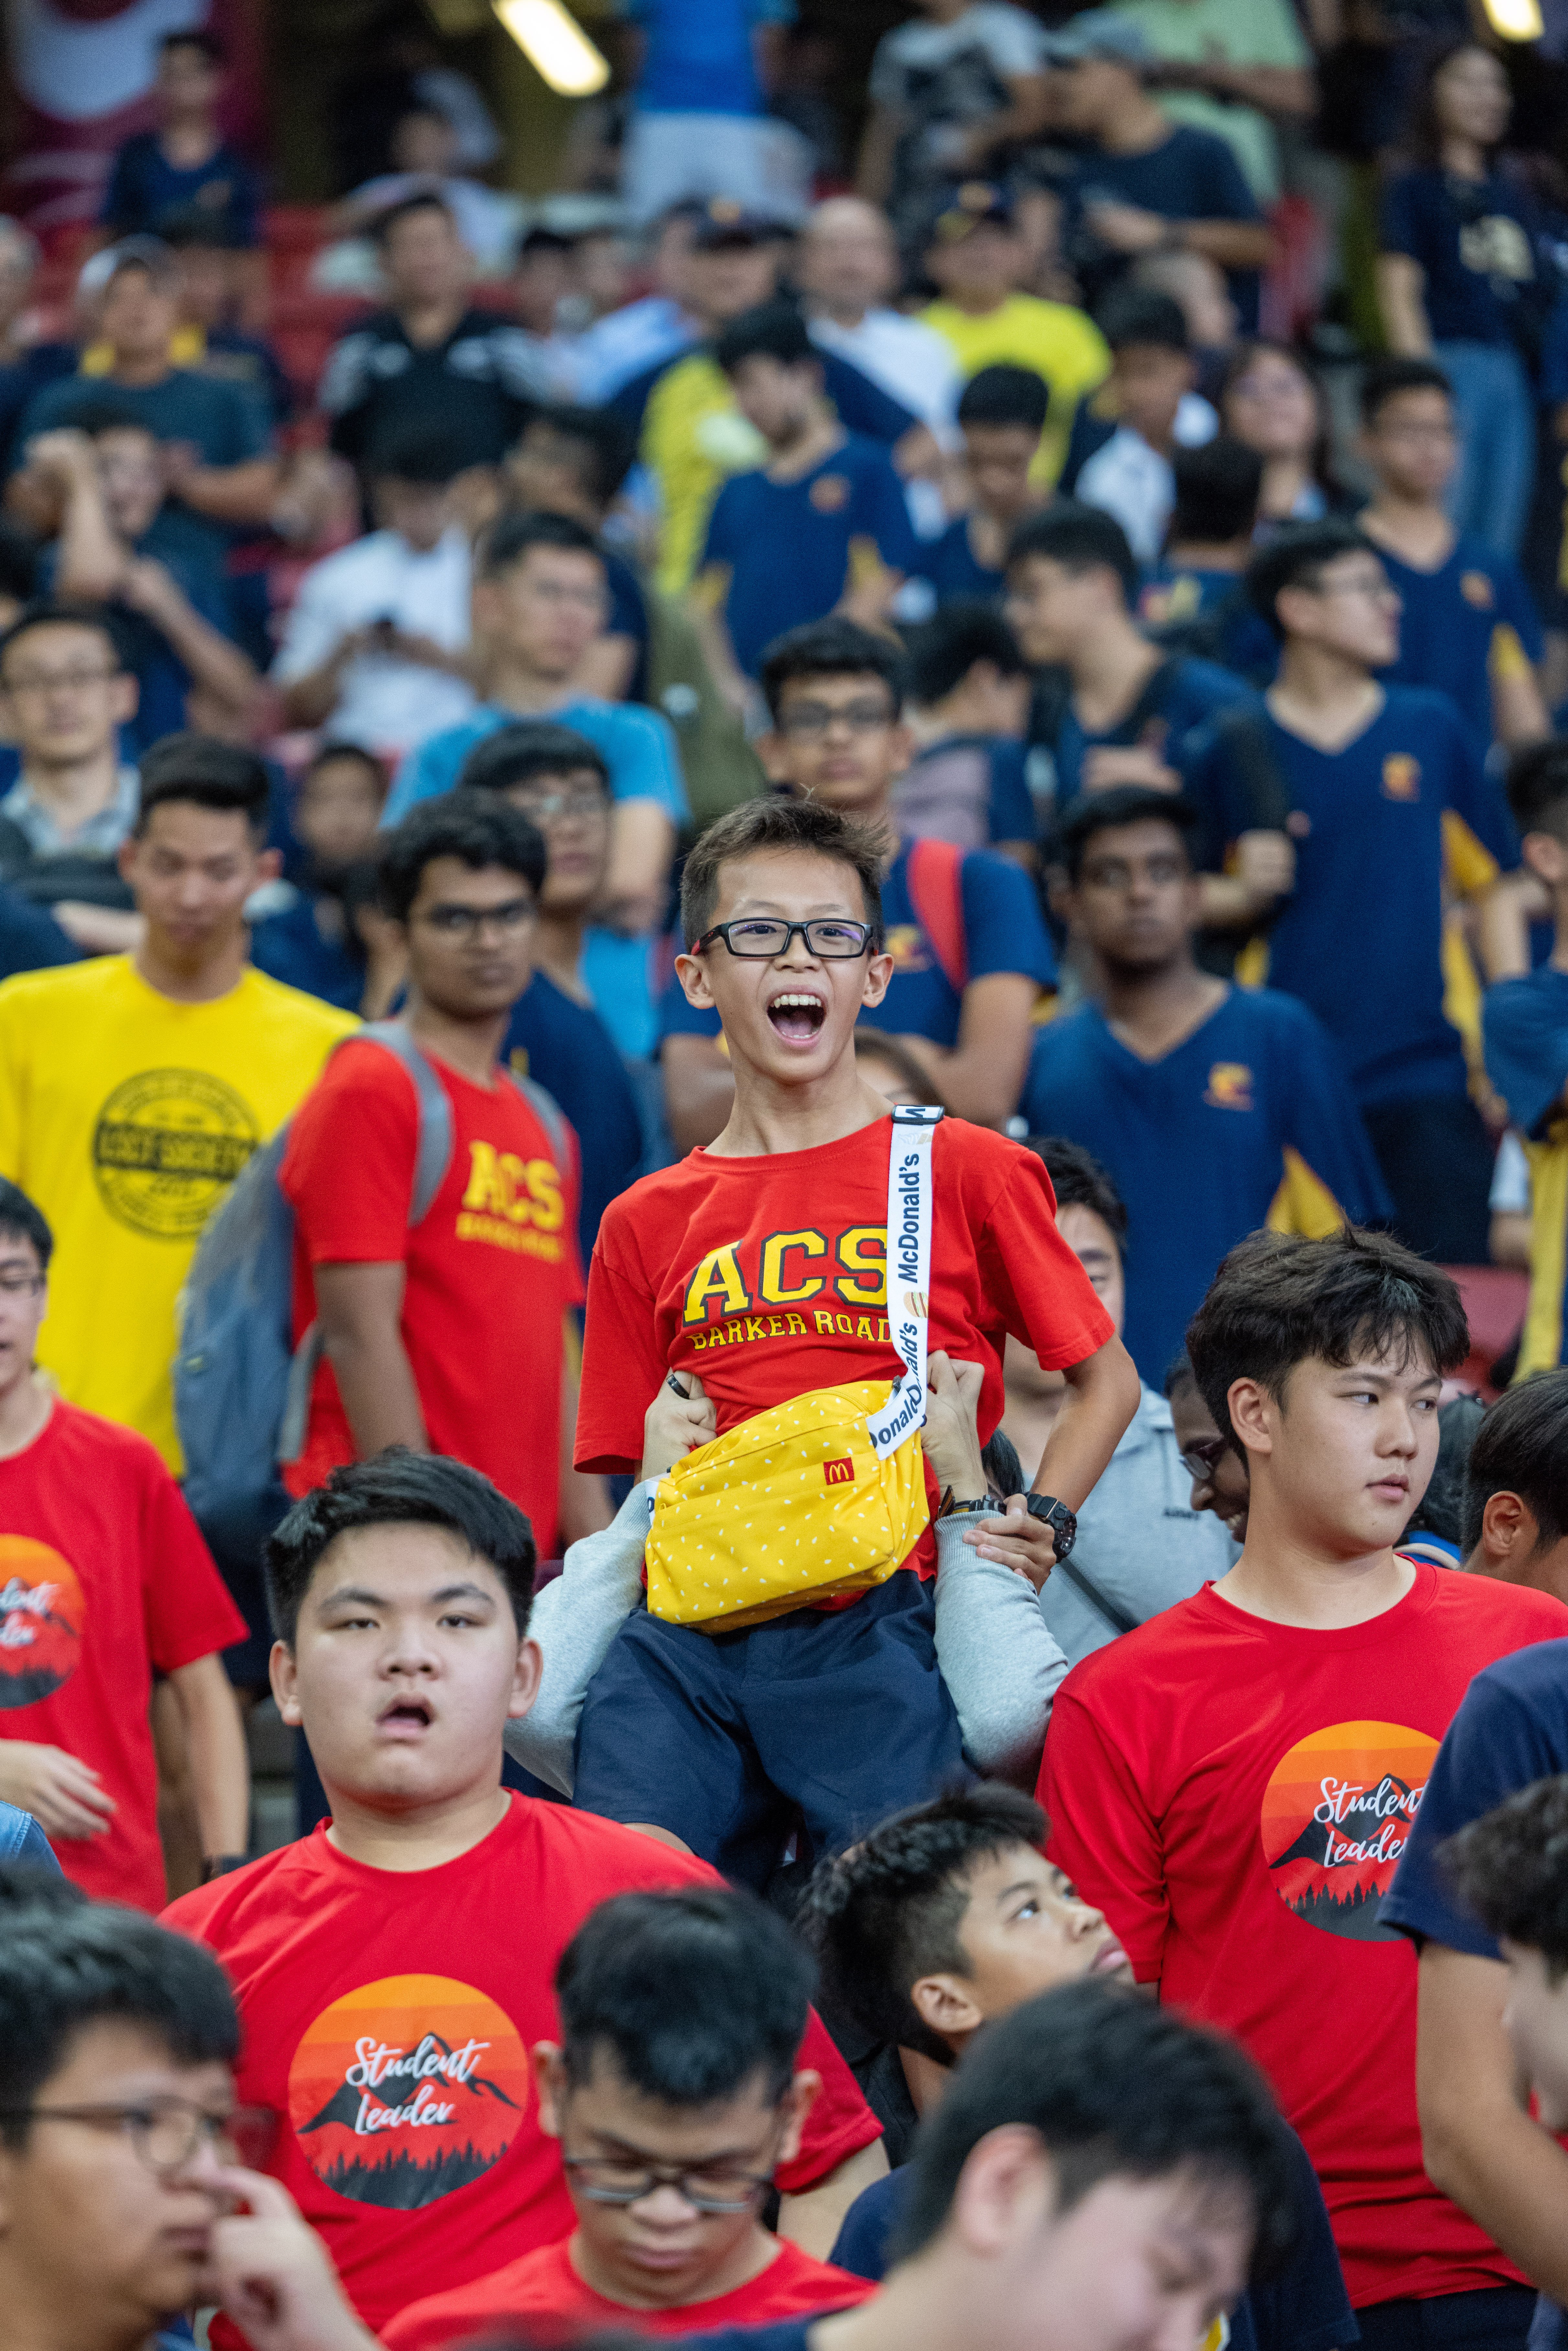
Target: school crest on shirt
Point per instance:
(1476, 590)
(166, 1147)
(830, 493)
(906, 946)
(42, 1613)
(1335, 1818)
(1401, 777)
(406, 2089)
(1230, 1086)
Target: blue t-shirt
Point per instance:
(786, 2334)
(1004, 932)
(1250, 1109)
(955, 575)
(1376, 826)
(226, 421)
(1524, 1030)
(1173, 716)
(20, 384)
(1510, 1730)
(1191, 175)
(144, 188)
(1453, 620)
(700, 57)
(566, 1047)
(1176, 599)
(1476, 246)
(291, 946)
(793, 548)
(639, 747)
(163, 680)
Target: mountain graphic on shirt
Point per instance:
(1336, 1816)
(42, 1613)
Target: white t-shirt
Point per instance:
(389, 705)
(1013, 44)
(1135, 482)
(911, 360)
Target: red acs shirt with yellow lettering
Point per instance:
(768, 1278)
(491, 1267)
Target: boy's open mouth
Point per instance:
(407, 1713)
(797, 1015)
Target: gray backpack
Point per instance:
(242, 1388)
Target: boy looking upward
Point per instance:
(969, 952)
(435, 1901)
(1001, 415)
(1466, 624)
(673, 2093)
(792, 1199)
(1300, 1701)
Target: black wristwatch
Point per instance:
(1057, 1518)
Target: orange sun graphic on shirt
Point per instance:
(1335, 1818)
(42, 1612)
(406, 2089)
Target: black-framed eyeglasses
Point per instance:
(167, 2132)
(761, 937)
(609, 2179)
(1201, 1460)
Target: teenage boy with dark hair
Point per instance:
(1524, 1029)
(1515, 1521)
(675, 1285)
(133, 1088)
(1323, 1361)
(1001, 415)
(1152, 408)
(1099, 2172)
(572, 461)
(1216, 1108)
(186, 161)
(558, 780)
(67, 698)
(1392, 813)
(119, 2174)
(968, 687)
(821, 527)
(969, 952)
(1195, 598)
(429, 1332)
(673, 2085)
(1466, 624)
(435, 1902)
(106, 1580)
(1114, 710)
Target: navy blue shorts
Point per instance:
(831, 1717)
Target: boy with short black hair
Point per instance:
(1001, 415)
(435, 1902)
(1194, 597)
(968, 687)
(674, 2083)
(186, 161)
(1151, 407)
(1467, 624)
(783, 917)
(969, 950)
(1515, 1523)
(1323, 1361)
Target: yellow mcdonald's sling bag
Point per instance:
(822, 1495)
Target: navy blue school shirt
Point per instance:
(1512, 1729)
(1471, 243)
(1250, 1120)
(1305, 2309)
(144, 188)
(30, 940)
(226, 421)
(1004, 932)
(1191, 175)
(291, 946)
(1524, 1037)
(20, 383)
(1455, 619)
(792, 549)
(628, 617)
(566, 1047)
(1378, 826)
(860, 405)
(787, 2335)
(956, 576)
(1211, 613)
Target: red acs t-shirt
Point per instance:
(388, 2019)
(1235, 1794)
(768, 1278)
(103, 1576)
(492, 1266)
(544, 2296)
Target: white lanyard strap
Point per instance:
(908, 1272)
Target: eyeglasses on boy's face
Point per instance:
(616, 2180)
(167, 2132)
(1201, 1458)
(760, 938)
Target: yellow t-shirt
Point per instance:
(693, 438)
(125, 1117)
(1057, 341)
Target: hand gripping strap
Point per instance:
(908, 1272)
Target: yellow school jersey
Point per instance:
(693, 438)
(1059, 343)
(126, 1117)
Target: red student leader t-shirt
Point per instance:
(1235, 1794)
(103, 1576)
(387, 2018)
(768, 1277)
(491, 1267)
(543, 2294)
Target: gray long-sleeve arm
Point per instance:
(997, 1654)
(574, 1620)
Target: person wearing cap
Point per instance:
(1144, 187)
(216, 442)
(953, 92)
(976, 257)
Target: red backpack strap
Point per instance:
(936, 894)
